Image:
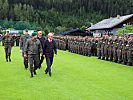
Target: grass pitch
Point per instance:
(74, 77)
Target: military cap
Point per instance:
(26, 30)
(34, 34)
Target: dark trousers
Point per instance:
(41, 60)
(25, 61)
(8, 52)
(49, 61)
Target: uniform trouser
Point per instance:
(119, 56)
(25, 61)
(8, 51)
(89, 52)
(98, 52)
(124, 56)
(102, 53)
(115, 56)
(130, 60)
(49, 61)
(106, 53)
(33, 60)
(111, 53)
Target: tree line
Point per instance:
(61, 15)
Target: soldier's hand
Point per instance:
(55, 55)
(20, 50)
(25, 56)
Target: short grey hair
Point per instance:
(50, 34)
(39, 31)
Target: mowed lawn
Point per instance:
(74, 77)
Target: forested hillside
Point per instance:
(59, 15)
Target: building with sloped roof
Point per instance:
(74, 32)
(112, 25)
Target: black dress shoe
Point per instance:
(10, 60)
(6, 60)
(50, 74)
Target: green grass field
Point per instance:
(74, 77)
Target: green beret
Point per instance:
(34, 34)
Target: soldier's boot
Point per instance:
(125, 63)
(111, 59)
(99, 57)
(107, 59)
(31, 75)
(6, 57)
(115, 61)
(10, 57)
(130, 64)
(103, 58)
(35, 72)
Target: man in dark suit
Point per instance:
(48, 52)
(42, 39)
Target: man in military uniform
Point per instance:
(115, 47)
(23, 40)
(110, 43)
(17, 39)
(125, 51)
(99, 48)
(119, 51)
(7, 40)
(130, 52)
(32, 50)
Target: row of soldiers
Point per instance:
(15, 39)
(118, 49)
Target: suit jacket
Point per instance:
(49, 48)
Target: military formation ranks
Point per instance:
(118, 49)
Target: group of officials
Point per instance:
(118, 49)
(34, 49)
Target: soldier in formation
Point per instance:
(118, 49)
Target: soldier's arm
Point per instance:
(3, 38)
(26, 47)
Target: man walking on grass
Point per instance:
(48, 52)
(32, 50)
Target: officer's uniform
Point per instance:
(7, 40)
(33, 48)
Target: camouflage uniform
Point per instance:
(23, 40)
(33, 48)
(7, 40)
